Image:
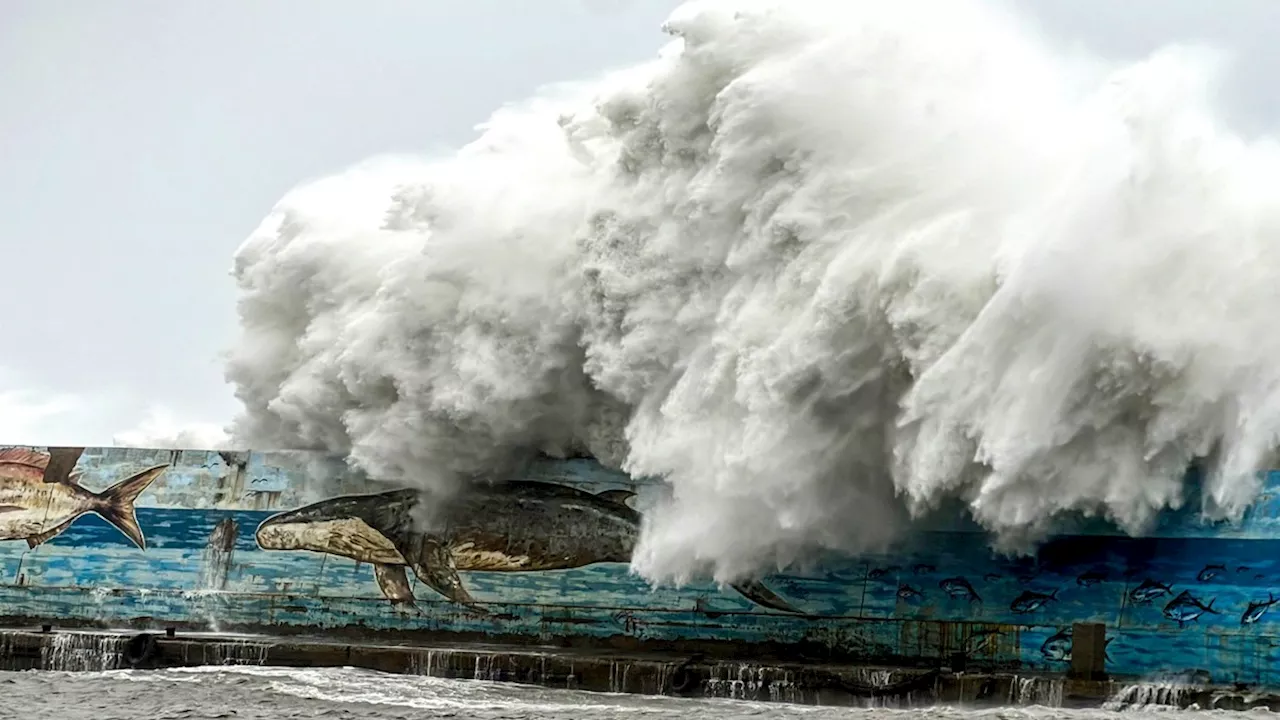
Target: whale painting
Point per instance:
(520, 526)
(40, 496)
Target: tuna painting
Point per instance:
(40, 496)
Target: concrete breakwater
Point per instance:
(813, 684)
(585, 670)
(265, 544)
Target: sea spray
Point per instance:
(823, 267)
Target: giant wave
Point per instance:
(821, 266)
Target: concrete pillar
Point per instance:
(1088, 651)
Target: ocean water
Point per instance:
(248, 693)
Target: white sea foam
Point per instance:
(820, 265)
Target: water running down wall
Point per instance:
(256, 542)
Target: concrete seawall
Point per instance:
(598, 671)
(286, 546)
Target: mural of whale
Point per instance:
(509, 527)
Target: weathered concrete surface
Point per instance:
(1089, 652)
(604, 671)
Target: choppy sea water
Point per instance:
(281, 693)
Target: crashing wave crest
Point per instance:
(821, 266)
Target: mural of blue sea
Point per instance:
(283, 541)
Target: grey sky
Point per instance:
(141, 141)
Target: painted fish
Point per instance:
(38, 501)
(507, 527)
(907, 593)
(1091, 578)
(959, 587)
(1210, 572)
(1030, 601)
(924, 569)
(1186, 608)
(991, 577)
(1149, 590)
(1058, 647)
(1256, 610)
(878, 573)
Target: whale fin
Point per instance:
(394, 584)
(616, 496)
(758, 593)
(433, 564)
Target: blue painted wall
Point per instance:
(1175, 601)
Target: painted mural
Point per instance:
(517, 526)
(263, 542)
(40, 496)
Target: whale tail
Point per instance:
(758, 593)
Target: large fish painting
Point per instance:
(509, 527)
(40, 496)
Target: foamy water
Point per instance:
(823, 266)
(255, 692)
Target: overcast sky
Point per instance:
(142, 140)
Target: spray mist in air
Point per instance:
(821, 266)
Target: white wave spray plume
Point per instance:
(822, 266)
